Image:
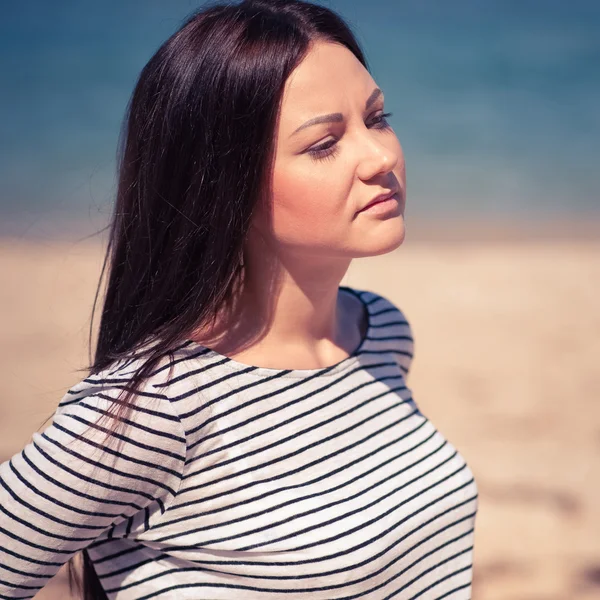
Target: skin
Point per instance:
(304, 236)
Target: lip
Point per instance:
(380, 198)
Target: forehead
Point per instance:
(329, 79)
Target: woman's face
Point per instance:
(325, 173)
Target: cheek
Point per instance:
(393, 144)
(401, 168)
(305, 205)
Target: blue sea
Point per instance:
(496, 103)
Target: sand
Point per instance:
(507, 366)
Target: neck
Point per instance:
(293, 306)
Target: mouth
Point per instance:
(389, 197)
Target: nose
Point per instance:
(378, 158)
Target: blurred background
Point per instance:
(496, 104)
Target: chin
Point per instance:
(383, 240)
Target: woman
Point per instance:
(246, 429)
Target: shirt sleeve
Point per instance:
(398, 337)
(405, 350)
(70, 485)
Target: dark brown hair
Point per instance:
(195, 156)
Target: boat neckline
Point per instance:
(342, 365)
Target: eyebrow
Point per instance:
(337, 117)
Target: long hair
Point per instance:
(195, 157)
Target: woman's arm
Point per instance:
(69, 486)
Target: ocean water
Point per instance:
(496, 102)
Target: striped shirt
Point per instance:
(236, 481)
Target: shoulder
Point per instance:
(98, 438)
(147, 414)
(112, 381)
(164, 393)
(382, 310)
(389, 328)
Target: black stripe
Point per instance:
(19, 586)
(110, 470)
(395, 338)
(138, 565)
(196, 354)
(83, 478)
(233, 392)
(41, 512)
(133, 424)
(129, 525)
(391, 324)
(407, 553)
(54, 500)
(116, 400)
(456, 589)
(384, 311)
(270, 395)
(26, 542)
(210, 383)
(467, 533)
(118, 554)
(128, 439)
(467, 568)
(45, 563)
(119, 455)
(374, 298)
(197, 372)
(57, 536)
(124, 365)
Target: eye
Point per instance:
(382, 122)
(323, 152)
(330, 149)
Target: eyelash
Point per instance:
(330, 152)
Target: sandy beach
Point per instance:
(507, 355)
